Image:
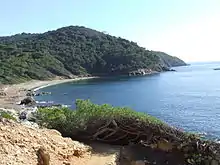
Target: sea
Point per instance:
(188, 99)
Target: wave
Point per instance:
(44, 102)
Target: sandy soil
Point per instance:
(19, 145)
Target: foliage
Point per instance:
(85, 111)
(73, 51)
(88, 114)
(7, 115)
(122, 126)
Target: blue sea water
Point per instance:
(188, 99)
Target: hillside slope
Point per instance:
(71, 51)
(20, 145)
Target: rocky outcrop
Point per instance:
(25, 145)
(28, 114)
(28, 101)
(20, 145)
(141, 72)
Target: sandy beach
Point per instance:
(15, 93)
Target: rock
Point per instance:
(66, 163)
(43, 156)
(141, 72)
(168, 69)
(3, 94)
(23, 115)
(30, 93)
(28, 101)
(164, 68)
(217, 69)
(29, 124)
(28, 114)
(20, 143)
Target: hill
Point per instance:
(73, 51)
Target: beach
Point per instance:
(13, 94)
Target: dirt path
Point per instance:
(104, 154)
(97, 159)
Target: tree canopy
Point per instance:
(72, 51)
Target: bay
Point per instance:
(188, 98)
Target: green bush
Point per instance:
(7, 116)
(89, 117)
(85, 111)
(121, 126)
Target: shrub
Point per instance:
(7, 115)
(88, 119)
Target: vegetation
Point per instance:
(7, 115)
(66, 120)
(73, 51)
(123, 126)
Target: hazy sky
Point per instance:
(189, 29)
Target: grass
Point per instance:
(7, 115)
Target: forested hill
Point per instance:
(74, 50)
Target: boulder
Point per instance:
(30, 93)
(28, 114)
(23, 115)
(28, 101)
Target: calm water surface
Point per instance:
(188, 98)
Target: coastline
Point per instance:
(16, 92)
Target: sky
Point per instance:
(189, 29)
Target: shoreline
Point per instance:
(16, 92)
(56, 82)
